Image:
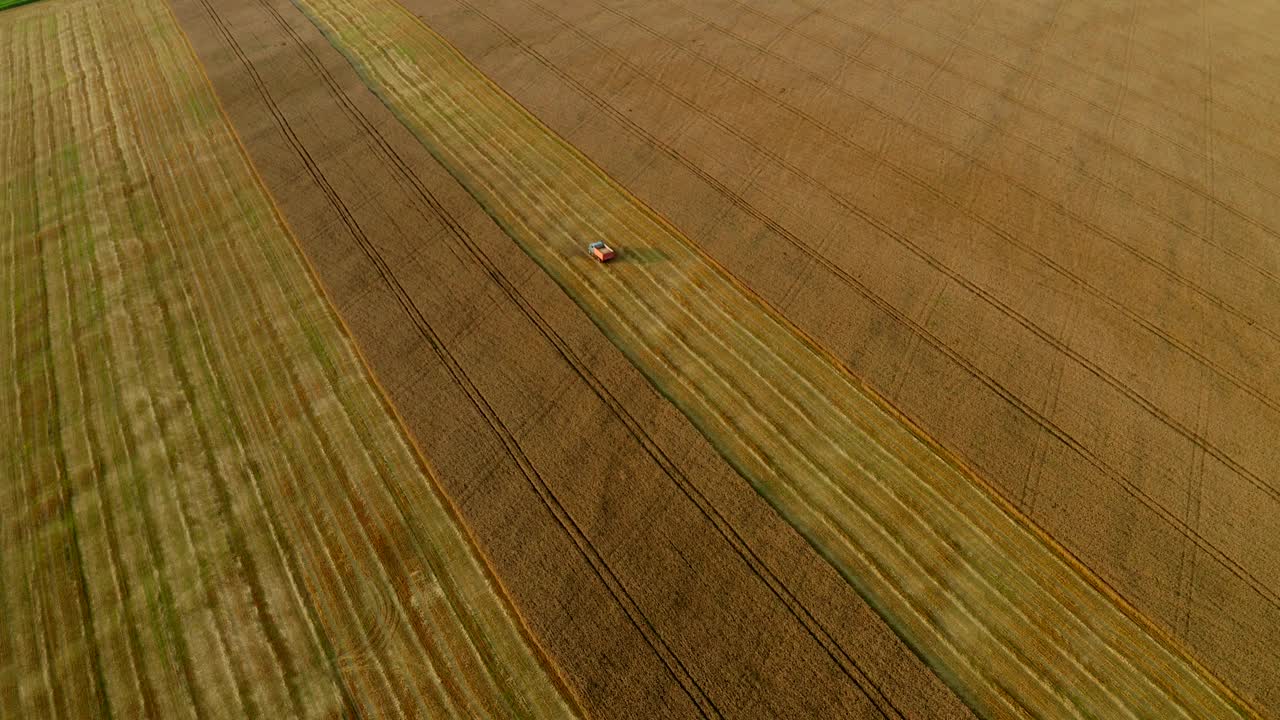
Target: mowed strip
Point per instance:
(208, 509)
(1009, 623)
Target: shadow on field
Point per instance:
(643, 256)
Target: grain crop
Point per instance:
(210, 511)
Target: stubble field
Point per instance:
(209, 510)
(935, 378)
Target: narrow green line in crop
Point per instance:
(6, 4)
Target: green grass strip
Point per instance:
(6, 4)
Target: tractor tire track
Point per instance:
(773, 430)
(1245, 473)
(1102, 138)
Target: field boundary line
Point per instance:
(1159, 215)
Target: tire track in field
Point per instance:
(643, 313)
(672, 661)
(434, 338)
(466, 244)
(381, 145)
(268, 410)
(1068, 61)
(777, 430)
(1040, 78)
(388, 564)
(771, 429)
(282, 422)
(1101, 138)
(398, 601)
(324, 185)
(430, 105)
(956, 204)
(583, 370)
(1009, 238)
(1109, 471)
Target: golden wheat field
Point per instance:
(934, 376)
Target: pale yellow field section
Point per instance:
(208, 510)
(1010, 623)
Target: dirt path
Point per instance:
(209, 510)
(655, 577)
(1095, 382)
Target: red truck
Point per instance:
(601, 252)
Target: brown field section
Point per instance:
(654, 576)
(1050, 238)
(208, 509)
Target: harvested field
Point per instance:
(210, 512)
(935, 377)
